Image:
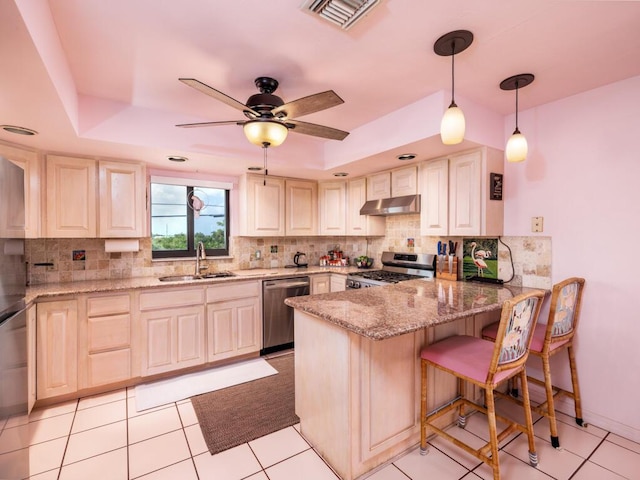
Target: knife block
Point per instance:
(444, 271)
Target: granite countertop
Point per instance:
(388, 311)
(95, 286)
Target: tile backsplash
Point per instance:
(531, 255)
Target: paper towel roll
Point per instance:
(122, 245)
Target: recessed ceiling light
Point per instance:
(340, 174)
(406, 156)
(254, 169)
(18, 130)
(175, 158)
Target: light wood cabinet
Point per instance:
(332, 199)
(362, 225)
(404, 181)
(338, 282)
(71, 197)
(379, 186)
(320, 283)
(262, 206)
(470, 210)
(234, 320)
(32, 345)
(122, 199)
(172, 329)
(105, 346)
(301, 207)
(57, 351)
(29, 224)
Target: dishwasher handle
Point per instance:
(275, 285)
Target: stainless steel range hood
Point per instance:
(392, 206)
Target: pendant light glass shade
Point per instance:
(452, 125)
(517, 148)
(261, 132)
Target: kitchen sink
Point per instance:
(186, 278)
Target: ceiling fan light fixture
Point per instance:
(453, 125)
(261, 132)
(517, 148)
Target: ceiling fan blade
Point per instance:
(210, 124)
(212, 92)
(307, 105)
(316, 130)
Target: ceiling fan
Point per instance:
(269, 118)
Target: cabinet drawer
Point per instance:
(108, 305)
(109, 367)
(110, 332)
(220, 293)
(171, 298)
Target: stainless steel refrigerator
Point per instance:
(14, 415)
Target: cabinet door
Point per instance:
(262, 206)
(32, 343)
(122, 200)
(464, 194)
(404, 181)
(434, 194)
(379, 186)
(331, 201)
(172, 339)
(233, 328)
(57, 358)
(338, 282)
(361, 224)
(29, 225)
(301, 207)
(320, 283)
(71, 197)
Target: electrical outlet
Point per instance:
(537, 224)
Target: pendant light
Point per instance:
(516, 150)
(452, 125)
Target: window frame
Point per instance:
(190, 185)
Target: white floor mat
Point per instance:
(150, 395)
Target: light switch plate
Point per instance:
(537, 224)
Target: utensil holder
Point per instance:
(444, 271)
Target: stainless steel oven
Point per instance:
(396, 267)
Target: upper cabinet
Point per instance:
(379, 186)
(71, 197)
(404, 181)
(29, 224)
(361, 224)
(75, 198)
(301, 207)
(262, 206)
(332, 198)
(456, 195)
(122, 199)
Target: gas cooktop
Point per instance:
(397, 267)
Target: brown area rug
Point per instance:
(236, 415)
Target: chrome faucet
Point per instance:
(200, 255)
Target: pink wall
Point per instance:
(583, 176)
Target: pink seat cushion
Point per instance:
(465, 355)
(537, 342)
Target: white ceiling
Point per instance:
(98, 77)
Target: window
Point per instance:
(183, 215)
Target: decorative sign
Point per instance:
(495, 188)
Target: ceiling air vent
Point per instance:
(343, 13)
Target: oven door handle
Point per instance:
(284, 285)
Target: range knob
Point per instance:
(353, 284)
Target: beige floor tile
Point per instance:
(99, 415)
(197, 445)
(17, 420)
(591, 471)
(143, 427)
(471, 476)
(512, 468)
(14, 438)
(259, 476)
(187, 413)
(53, 411)
(46, 455)
(132, 412)
(434, 464)
(96, 441)
(306, 465)
(233, 464)
(576, 439)
(278, 446)
(14, 464)
(623, 442)
(101, 399)
(617, 459)
(156, 453)
(390, 472)
(50, 428)
(557, 463)
(50, 475)
(108, 466)
(478, 425)
(184, 470)
(459, 455)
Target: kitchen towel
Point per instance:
(150, 395)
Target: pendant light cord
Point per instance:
(517, 130)
(453, 56)
(264, 163)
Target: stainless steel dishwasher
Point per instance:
(277, 318)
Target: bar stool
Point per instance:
(549, 339)
(486, 365)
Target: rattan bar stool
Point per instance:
(486, 364)
(549, 339)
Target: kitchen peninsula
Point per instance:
(357, 370)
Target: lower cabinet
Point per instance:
(321, 283)
(57, 352)
(234, 320)
(338, 282)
